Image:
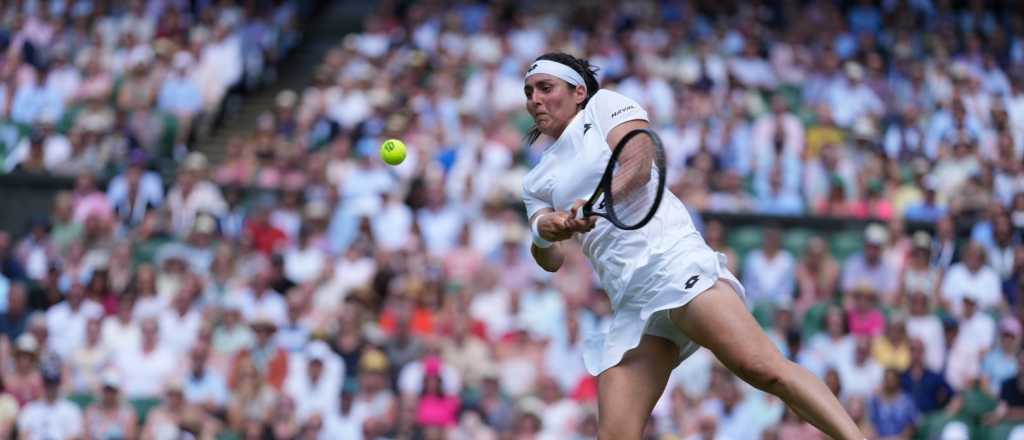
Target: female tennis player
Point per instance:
(669, 291)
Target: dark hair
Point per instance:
(582, 67)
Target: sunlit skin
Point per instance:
(552, 102)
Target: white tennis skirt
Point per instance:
(643, 305)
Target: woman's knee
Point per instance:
(766, 373)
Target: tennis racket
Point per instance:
(633, 183)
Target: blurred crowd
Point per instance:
(85, 82)
(303, 289)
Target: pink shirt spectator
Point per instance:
(437, 411)
(866, 323)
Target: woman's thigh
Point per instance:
(718, 320)
(628, 391)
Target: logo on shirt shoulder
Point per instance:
(623, 110)
(586, 127)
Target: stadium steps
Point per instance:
(326, 29)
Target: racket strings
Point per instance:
(634, 182)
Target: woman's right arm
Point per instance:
(555, 226)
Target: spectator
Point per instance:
(435, 408)
(14, 320)
(892, 349)
(1011, 402)
(23, 380)
(110, 416)
(314, 383)
(175, 417)
(768, 272)
(136, 191)
(868, 268)
(344, 422)
(864, 314)
(67, 320)
(817, 275)
(203, 386)
(1000, 363)
(926, 327)
(120, 332)
(925, 386)
(971, 277)
(51, 416)
(861, 376)
(892, 411)
(375, 399)
(835, 345)
(147, 368)
(919, 277)
(86, 364)
(193, 194)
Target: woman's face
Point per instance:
(552, 102)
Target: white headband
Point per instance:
(557, 70)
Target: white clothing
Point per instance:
(67, 327)
(311, 398)
(43, 420)
(661, 266)
(860, 380)
(269, 306)
(145, 374)
(177, 332)
(119, 337)
(984, 284)
(928, 329)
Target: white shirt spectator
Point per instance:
(851, 101)
(67, 327)
(654, 94)
(270, 305)
(491, 307)
(344, 425)
(318, 397)
(204, 197)
(491, 91)
(832, 352)
(118, 336)
(978, 331)
(769, 279)
(963, 363)
(208, 388)
(984, 284)
(440, 228)
(44, 420)
(560, 418)
(178, 332)
(542, 312)
(304, 264)
(144, 375)
(392, 226)
(860, 380)
(928, 328)
(564, 362)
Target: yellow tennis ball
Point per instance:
(392, 151)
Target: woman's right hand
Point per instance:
(561, 225)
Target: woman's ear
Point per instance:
(579, 94)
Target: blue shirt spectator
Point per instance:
(31, 101)
(892, 410)
(927, 389)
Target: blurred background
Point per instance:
(198, 239)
